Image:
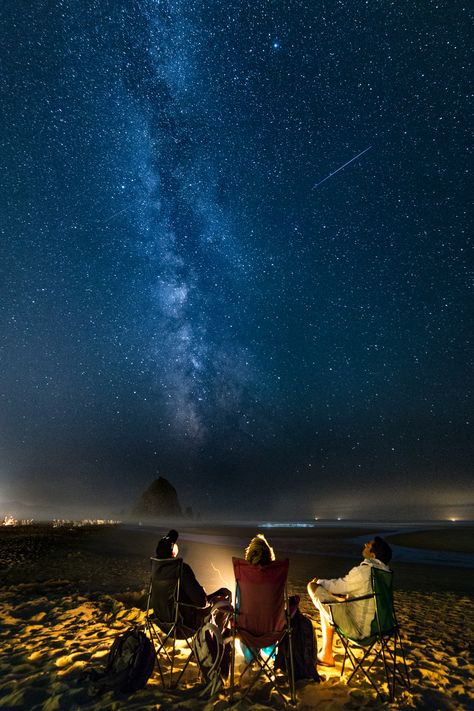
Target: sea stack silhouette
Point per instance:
(160, 500)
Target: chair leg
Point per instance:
(291, 671)
(266, 670)
(390, 684)
(232, 667)
(180, 675)
(395, 669)
(404, 676)
(157, 645)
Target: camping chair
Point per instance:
(164, 620)
(262, 620)
(384, 641)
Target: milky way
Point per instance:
(176, 297)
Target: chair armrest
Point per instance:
(369, 596)
(194, 607)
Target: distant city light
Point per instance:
(285, 524)
(58, 522)
(10, 520)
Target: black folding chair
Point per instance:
(382, 644)
(164, 616)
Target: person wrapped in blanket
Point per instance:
(354, 619)
(191, 591)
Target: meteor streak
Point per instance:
(341, 167)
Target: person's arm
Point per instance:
(192, 591)
(348, 585)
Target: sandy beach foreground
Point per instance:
(66, 592)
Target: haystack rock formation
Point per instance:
(160, 500)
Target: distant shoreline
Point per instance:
(117, 557)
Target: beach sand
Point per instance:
(67, 592)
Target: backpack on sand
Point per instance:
(304, 649)
(130, 663)
(212, 649)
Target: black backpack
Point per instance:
(303, 644)
(129, 664)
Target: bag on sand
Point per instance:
(303, 644)
(130, 663)
(212, 649)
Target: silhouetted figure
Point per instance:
(191, 591)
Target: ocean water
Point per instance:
(402, 554)
(312, 538)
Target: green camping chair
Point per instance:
(384, 642)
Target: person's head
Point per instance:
(378, 548)
(259, 551)
(167, 547)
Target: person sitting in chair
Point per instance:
(191, 591)
(260, 552)
(355, 618)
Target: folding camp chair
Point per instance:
(384, 642)
(262, 620)
(164, 620)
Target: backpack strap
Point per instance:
(209, 664)
(208, 659)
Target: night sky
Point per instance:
(182, 291)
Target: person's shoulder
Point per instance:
(188, 572)
(376, 563)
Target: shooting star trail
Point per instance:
(125, 209)
(115, 214)
(341, 167)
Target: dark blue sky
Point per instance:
(179, 294)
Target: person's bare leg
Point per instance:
(327, 630)
(327, 633)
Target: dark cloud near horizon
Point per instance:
(178, 297)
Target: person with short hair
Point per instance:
(357, 617)
(167, 546)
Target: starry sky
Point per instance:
(189, 285)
